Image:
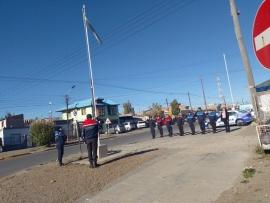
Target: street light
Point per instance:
(50, 112)
(67, 111)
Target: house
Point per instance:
(263, 101)
(76, 113)
(13, 133)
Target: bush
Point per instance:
(42, 133)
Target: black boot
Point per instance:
(95, 165)
(91, 164)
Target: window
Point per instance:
(112, 110)
(83, 111)
(13, 139)
(100, 110)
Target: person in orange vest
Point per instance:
(168, 120)
(159, 125)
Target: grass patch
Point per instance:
(248, 172)
(259, 150)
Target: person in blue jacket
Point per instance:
(191, 119)
(60, 140)
(213, 118)
(200, 114)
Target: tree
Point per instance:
(155, 109)
(175, 107)
(8, 114)
(42, 132)
(128, 108)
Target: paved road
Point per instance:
(16, 164)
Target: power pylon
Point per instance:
(221, 96)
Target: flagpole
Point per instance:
(94, 110)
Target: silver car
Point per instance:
(116, 129)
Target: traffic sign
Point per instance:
(107, 121)
(261, 34)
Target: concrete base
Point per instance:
(102, 151)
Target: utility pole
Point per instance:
(167, 104)
(244, 56)
(203, 94)
(66, 96)
(67, 118)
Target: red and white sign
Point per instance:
(107, 121)
(261, 34)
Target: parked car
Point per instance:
(116, 129)
(235, 118)
(129, 126)
(141, 124)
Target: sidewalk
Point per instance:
(196, 169)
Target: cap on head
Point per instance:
(89, 116)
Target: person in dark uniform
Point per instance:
(225, 118)
(159, 125)
(213, 118)
(152, 126)
(191, 120)
(60, 140)
(168, 120)
(90, 138)
(200, 114)
(180, 122)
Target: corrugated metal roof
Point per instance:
(87, 103)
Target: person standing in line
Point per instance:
(180, 122)
(213, 118)
(168, 120)
(225, 118)
(152, 126)
(159, 125)
(200, 114)
(90, 138)
(191, 120)
(60, 140)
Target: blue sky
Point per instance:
(152, 50)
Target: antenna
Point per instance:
(221, 96)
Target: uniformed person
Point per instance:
(180, 122)
(152, 126)
(213, 118)
(168, 120)
(191, 120)
(200, 114)
(159, 125)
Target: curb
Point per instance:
(108, 136)
(15, 155)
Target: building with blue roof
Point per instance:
(76, 112)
